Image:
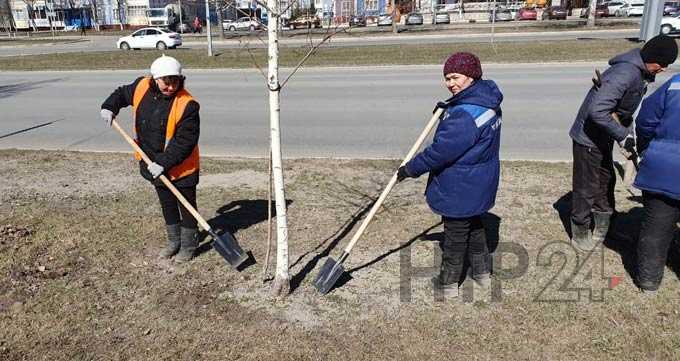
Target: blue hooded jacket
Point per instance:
(463, 159)
(658, 140)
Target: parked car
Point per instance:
(305, 22)
(441, 17)
(612, 6)
(414, 18)
(631, 9)
(554, 13)
(526, 14)
(670, 24)
(502, 14)
(601, 11)
(184, 28)
(149, 38)
(671, 8)
(385, 20)
(357, 20)
(244, 23)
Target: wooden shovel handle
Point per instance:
(393, 180)
(163, 178)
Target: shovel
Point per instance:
(332, 270)
(225, 244)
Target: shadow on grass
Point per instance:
(330, 243)
(236, 216)
(623, 236)
(563, 208)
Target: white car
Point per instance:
(630, 9)
(150, 38)
(244, 23)
(670, 24)
(612, 6)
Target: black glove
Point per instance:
(402, 174)
(442, 105)
(628, 144)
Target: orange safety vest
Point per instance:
(182, 98)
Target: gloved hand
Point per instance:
(628, 144)
(155, 169)
(442, 105)
(402, 174)
(107, 116)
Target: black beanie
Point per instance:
(660, 49)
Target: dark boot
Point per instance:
(188, 245)
(602, 222)
(480, 270)
(581, 237)
(448, 290)
(172, 247)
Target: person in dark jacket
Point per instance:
(595, 129)
(464, 167)
(658, 142)
(166, 126)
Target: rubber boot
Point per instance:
(581, 237)
(449, 291)
(602, 221)
(172, 247)
(189, 242)
(480, 270)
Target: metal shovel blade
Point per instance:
(329, 275)
(229, 249)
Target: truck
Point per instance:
(162, 17)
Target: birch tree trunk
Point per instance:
(281, 285)
(591, 12)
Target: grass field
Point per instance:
(502, 52)
(79, 234)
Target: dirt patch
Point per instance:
(86, 284)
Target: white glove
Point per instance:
(107, 116)
(155, 169)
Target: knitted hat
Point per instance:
(463, 63)
(660, 49)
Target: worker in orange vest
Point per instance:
(166, 127)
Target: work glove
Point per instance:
(155, 169)
(442, 105)
(402, 174)
(628, 145)
(107, 116)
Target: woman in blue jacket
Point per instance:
(464, 168)
(658, 142)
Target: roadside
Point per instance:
(403, 54)
(80, 231)
(457, 27)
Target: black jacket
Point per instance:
(623, 86)
(152, 117)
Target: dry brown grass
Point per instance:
(85, 284)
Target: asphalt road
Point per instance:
(371, 112)
(108, 43)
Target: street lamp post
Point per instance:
(207, 24)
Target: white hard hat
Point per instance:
(165, 66)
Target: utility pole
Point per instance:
(651, 19)
(181, 24)
(207, 25)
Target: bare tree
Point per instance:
(592, 8)
(6, 17)
(281, 285)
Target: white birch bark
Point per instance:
(591, 14)
(281, 285)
